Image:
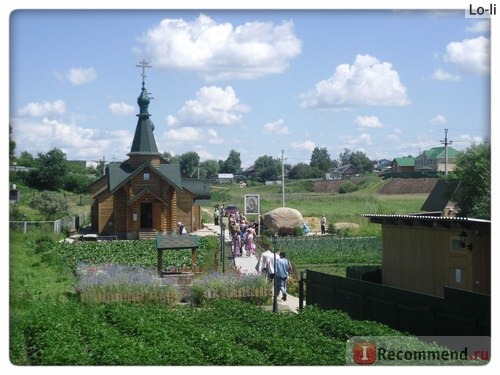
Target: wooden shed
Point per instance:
(426, 253)
(145, 194)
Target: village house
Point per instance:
(144, 194)
(403, 165)
(434, 160)
(345, 171)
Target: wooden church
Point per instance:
(145, 195)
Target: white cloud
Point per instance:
(221, 50)
(77, 142)
(44, 108)
(368, 122)
(276, 127)
(191, 135)
(205, 155)
(121, 109)
(366, 82)
(470, 55)
(350, 141)
(482, 26)
(212, 106)
(80, 76)
(441, 75)
(306, 145)
(438, 120)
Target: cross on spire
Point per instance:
(143, 64)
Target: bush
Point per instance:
(348, 187)
(298, 231)
(51, 204)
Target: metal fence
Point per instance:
(56, 226)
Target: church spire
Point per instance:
(144, 142)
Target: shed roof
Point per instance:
(426, 220)
(440, 195)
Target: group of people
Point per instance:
(272, 267)
(242, 235)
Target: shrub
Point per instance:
(298, 231)
(51, 204)
(348, 187)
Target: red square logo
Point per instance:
(365, 353)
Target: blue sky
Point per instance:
(386, 83)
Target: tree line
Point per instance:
(51, 171)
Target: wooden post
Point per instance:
(301, 290)
(159, 262)
(193, 258)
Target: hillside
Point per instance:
(409, 186)
(391, 186)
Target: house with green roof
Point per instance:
(403, 164)
(434, 160)
(145, 194)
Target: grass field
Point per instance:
(337, 207)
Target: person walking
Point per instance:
(216, 215)
(265, 265)
(323, 224)
(283, 269)
(249, 242)
(236, 244)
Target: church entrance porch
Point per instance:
(146, 215)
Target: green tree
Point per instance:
(170, 158)
(12, 146)
(232, 164)
(361, 161)
(267, 168)
(473, 168)
(303, 170)
(320, 159)
(209, 169)
(77, 182)
(188, 162)
(52, 205)
(26, 159)
(50, 171)
(345, 156)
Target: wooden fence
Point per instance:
(165, 298)
(459, 313)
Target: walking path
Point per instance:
(247, 264)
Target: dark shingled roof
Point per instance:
(119, 173)
(199, 188)
(144, 141)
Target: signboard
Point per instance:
(252, 204)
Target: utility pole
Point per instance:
(283, 176)
(446, 143)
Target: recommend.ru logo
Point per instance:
(418, 351)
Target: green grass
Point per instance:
(337, 207)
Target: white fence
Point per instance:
(57, 226)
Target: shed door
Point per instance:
(146, 215)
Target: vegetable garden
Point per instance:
(49, 324)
